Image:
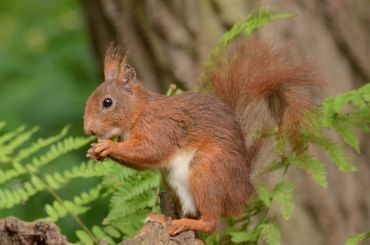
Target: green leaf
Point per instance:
(37, 182)
(336, 153)
(101, 235)
(283, 194)
(270, 233)
(358, 238)
(213, 239)
(256, 19)
(52, 213)
(264, 194)
(8, 136)
(134, 197)
(84, 238)
(347, 134)
(240, 236)
(39, 144)
(18, 140)
(339, 112)
(113, 232)
(314, 167)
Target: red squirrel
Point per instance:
(202, 142)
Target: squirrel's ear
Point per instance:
(127, 74)
(115, 57)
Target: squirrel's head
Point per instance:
(109, 108)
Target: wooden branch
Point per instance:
(15, 231)
(155, 233)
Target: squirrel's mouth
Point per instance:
(108, 135)
(113, 132)
(111, 137)
(114, 135)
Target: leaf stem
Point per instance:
(74, 216)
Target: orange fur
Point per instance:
(264, 87)
(254, 89)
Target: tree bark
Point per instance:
(14, 231)
(169, 40)
(154, 233)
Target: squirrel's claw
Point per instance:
(103, 148)
(175, 227)
(102, 145)
(92, 154)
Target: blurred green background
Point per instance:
(46, 65)
(47, 70)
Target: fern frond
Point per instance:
(84, 238)
(101, 234)
(240, 236)
(120, 212)
(90, 169)
(137, 185)
(112, 232)
(39, 144)
(283, 194)
(344, 127)
(264, 194)
(358, 238)
(346, 111)
(314, 167)
(118, 175)
(130, 225)
(270, 233)
(135, 197)
(54, 181)
(256, 19)
(8, 136)
(15, 143)
(10, 198)
(58, 210)
(335, 152)
(88, 196)
(6, 175)
(55, 151)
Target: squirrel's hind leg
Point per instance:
(204, 224)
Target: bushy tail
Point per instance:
(264, 88)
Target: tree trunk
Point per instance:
(169, 40)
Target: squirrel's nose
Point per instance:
(89, 131)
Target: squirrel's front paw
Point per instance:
(103, 148)
(92, 154)
(176, 226)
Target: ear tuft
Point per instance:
(115, 58)
(127, 73)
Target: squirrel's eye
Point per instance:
(107, 102)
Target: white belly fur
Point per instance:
(178, 179)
